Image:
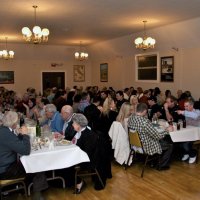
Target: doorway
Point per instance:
(53, 79)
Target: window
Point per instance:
(147, 67)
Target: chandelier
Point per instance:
(5, 54)
(39, 35)
(81, 55)
(145, 42)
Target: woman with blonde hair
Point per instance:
(124, 114)
(108, 115)
(134, 103)
(108, 105)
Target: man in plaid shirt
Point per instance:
(153, 142)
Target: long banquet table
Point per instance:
(58, 158)
(190, 133)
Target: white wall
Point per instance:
(30, 60)
(120, 54)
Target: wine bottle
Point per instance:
(21, 120)
(38, 129)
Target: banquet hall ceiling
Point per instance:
(91, 21)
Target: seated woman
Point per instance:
(39, 109)
(124, 114)
(134, 102)
(108, 115)
(85, 139)
(30, 108)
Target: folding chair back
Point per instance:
(18, 184)
(137, 147)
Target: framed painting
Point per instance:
(79, 73)
(6, 77)
(104, 72)
(167, 69)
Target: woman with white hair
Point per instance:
(12, 143)
(85, 138)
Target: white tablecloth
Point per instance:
(58, 158)
(190, 133)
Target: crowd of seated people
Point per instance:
(56, 108)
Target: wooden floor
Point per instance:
(181, 182)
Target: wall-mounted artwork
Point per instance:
(79, 73)
(6, 77)
(167, 69)
(104, 72)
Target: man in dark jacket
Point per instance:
(154, 108)
(13, 142)
(92, 113)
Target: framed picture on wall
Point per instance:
(167, 69)
(147, 67)
(79, 73)
(6, 77)
(104, 72)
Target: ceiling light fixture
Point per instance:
(5, 54)
(145, 42)
(81, 55)
(39, 35)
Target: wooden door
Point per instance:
(53, 79)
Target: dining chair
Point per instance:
(136, 147)
(18, 184)
(86, 172)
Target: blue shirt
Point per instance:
(56, 123)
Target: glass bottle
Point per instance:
(38, 129)
(21, 120)
(184, 123)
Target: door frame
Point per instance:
(41, 83)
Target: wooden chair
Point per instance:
(88, 172)
(18, 184)
(136, 147)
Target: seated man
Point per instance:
(12, 144)
(169, 110)
(155, 109)
(120, 99)
(153, 141)
(68, 129)
(54, 119)
(93, 113)
(192, 118)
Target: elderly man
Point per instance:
(68, 130)
(54, 119)
(192, 118)
(152, 140)
(12, 143)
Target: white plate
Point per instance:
(64, 142)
